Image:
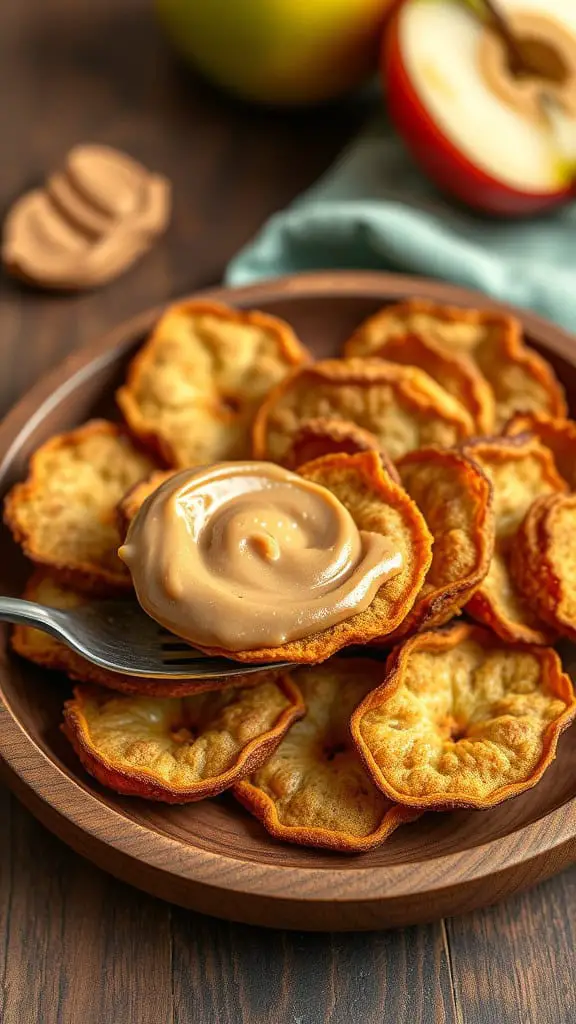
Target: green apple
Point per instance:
(278, 51)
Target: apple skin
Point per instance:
(439, 157)
(286, 52)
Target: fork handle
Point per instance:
(28, 613)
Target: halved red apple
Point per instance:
(475, 128)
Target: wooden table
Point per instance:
(77, 946)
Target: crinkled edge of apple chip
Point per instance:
(416, 388)
(143, 782)
(264, 809)
(436, 605)
(485, 605)
(443, 639)
(84, 574)
(455, 372)
(329, 437)
(127, 396)
(330, 691)
(536, 572)
(513, 347)
(556, 433)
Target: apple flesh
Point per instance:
(278, 51)
(470, 142)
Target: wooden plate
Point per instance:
(213, 856)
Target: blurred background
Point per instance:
(454, 116)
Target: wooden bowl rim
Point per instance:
(86, 811)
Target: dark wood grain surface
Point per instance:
(76, 945)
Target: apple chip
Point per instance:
(314, 789)
(377, 505)
(45, 650)
(192, 390)
(463, 720)
(316, 438)
(520, 379)
(136, 496)
(180, 750)
(520, 469)
(559, 435)
(544, 561)
(456, 373)
(455, 498)
(400, 405)
(64, 514)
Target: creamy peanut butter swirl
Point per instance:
(248, 555)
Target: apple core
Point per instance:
(549, 50)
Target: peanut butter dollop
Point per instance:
(89, 222)
(248, 555)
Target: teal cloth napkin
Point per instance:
(374, 210)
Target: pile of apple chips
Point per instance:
(439, 428)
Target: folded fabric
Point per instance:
(374, 210)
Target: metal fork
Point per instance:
(119, 636)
